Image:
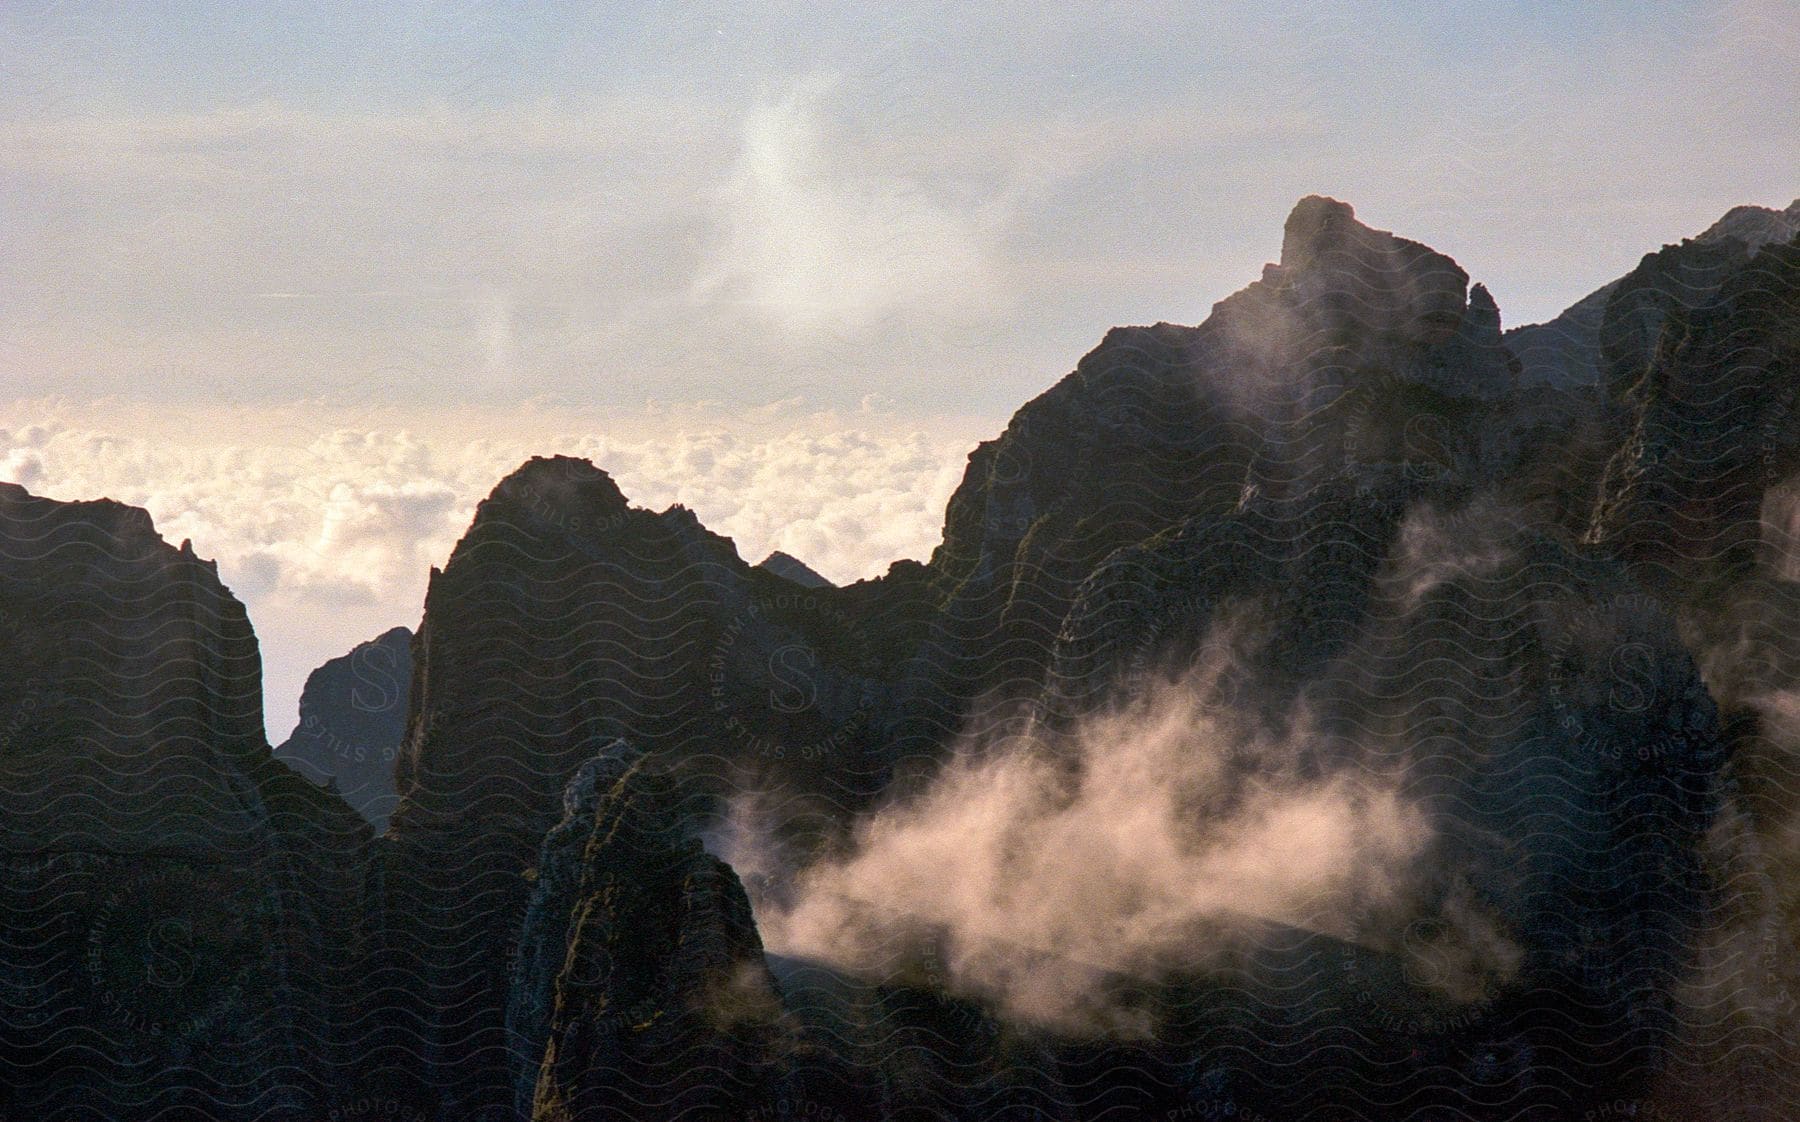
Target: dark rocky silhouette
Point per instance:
(792, 569)
(565, 619)
(1565, 352)
(172, 899)
(1540, 581)
(1714, 424)
(663, 1005)
(352, 717)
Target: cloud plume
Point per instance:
(1150, 843)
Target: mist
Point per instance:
(1049, 874)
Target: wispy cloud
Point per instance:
(812, 239)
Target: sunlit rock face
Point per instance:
(352, 717)
(176, 907)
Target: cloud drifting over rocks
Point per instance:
(1051, 874)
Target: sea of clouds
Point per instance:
(325, 520)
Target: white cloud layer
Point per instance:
(325, 521)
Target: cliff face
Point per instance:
(175, 901)
(566, 619)
(1566, 353)
(1359, 353)
(352, 717)
(544, 934)
(1714, 425)
(1272, 463)
(663, 1005)
(133, 668)
(1541, 712)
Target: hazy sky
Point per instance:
(943, 204)
(818, 239)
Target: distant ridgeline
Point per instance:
(1342, 709)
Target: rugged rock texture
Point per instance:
(544, 934)
(352, 718)
(173, 901)
(566, 619)
(1756, 226)
(1155, 608)
(1540, 706)
(1581, 371)
(1337, 496)
(1357, 353)
(663, 1007)
(1716, 425)
(1268, 465)
(1565, 353)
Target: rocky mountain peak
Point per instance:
(791, 568)
(1316, 225)
(566, 485)
(1755, 226)
(352, 719)
(138, 801)
(1482, 308)
(122, 532)
(1390, 283)
(654, 1006)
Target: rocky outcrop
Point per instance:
(792, 569)
(1565, 353)
(1755, 226)
(1540, 706)
(1358, 353)
(564, 620)
(174, 903)
(1157, 608)
(1699, 500)
(1331, 513)
(1715, 427)
(352, 717)
(1266, 466)
(1581, 371)
(663, 1007)
(543, 944)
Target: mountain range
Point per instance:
(1342, 708)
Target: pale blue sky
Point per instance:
(942, 204)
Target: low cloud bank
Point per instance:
(325, 520)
